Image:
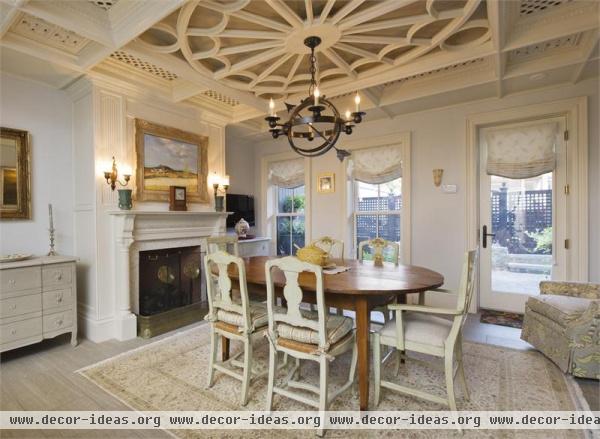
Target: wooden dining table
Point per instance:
(360, 289)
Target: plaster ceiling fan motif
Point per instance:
(258, 46)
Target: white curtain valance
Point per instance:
(287, 174)
(521, 152)
(376, 165)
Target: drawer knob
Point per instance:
(58, 276)
(13, 307)
(59, 297)
(12, 282)
(13, 332)
(59, 322)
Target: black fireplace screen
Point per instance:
(169, 278)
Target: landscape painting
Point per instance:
(169, 162)
(170, 157)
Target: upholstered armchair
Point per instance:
(563, 322)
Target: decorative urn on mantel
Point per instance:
(241, 228)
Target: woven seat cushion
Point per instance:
(420, 328)
(337, 327)
(258, 315)
(560, 309)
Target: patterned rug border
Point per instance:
(573, 388)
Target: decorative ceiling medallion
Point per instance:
(49, 34)
(136, 62)
(544, 48)
(529, 7)
(257, 46)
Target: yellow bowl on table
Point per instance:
(313, 255)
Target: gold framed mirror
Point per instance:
(15, 174)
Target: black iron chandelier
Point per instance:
(307, 120)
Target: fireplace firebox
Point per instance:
(170, 293)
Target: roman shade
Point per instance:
(287, 174)
(376, 165)
(521, 152)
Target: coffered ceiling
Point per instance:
(230, 56)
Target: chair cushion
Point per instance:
(560, 309)
(258, 315)
(420, 328)
(337, 327)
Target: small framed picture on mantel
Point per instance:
(177, 198)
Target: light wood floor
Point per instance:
(41, 377)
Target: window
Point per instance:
(377, 209)
(290, 219)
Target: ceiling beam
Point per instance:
(376, 101)
(499, 27)
(11, 16)
(182, 90)
(309, 11)
(377, 10)
(325, 11)
(588, 51)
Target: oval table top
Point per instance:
(362, 278)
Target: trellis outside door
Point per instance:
(522, 227)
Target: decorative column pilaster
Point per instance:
(125, 320)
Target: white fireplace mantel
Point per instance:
(137, 230)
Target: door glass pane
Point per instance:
(522, 224)
(290, 225)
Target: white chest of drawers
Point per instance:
(258, 246)
(38, 299)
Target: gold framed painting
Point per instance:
(326, 183)
(15, 174)
(170, 157)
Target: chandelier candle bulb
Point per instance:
(348, 116)
(272, 107)
(357, 102)
(317, 94)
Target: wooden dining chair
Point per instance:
(378, 246)
(223, 243)
(333, 247)
(305, 335)
(233, 318)
(420, 329)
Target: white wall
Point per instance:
(438, 139)
(46, 113)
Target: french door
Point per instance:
(522, 226)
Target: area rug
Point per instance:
(510, 319)
(170, 374)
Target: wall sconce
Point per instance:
(219, 182)
(437, 177)
(112, 176)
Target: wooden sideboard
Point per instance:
(38, 300)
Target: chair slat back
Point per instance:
(467, 284)
(292, 268)
(219, 291)
(379, 245)
(222, 243)
(334, 247)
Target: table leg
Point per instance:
(224, 349)
(362, 342)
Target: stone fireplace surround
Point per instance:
(140, 230)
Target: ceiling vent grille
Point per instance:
(529, 7)
(440, 70)
(49, 34)
(232, 102)
(541, 49)
(134, 61)
(104, 4)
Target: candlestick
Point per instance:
(50, 216)
(52, 252)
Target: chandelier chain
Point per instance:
(313, 71)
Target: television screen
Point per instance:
(242, 206)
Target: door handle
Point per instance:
(485, 235)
